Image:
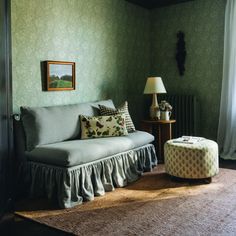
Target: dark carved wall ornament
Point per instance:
(180, 53)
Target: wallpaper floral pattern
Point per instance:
(202, 21)
(108, 40)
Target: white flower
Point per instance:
(165, 106)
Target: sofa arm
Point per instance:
(19, 138)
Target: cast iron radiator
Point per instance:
(185, 112)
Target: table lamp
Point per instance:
(154, 85)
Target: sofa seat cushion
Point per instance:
(78, 152)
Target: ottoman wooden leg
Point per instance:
(207, 180)
(174, 179)
(177, 179)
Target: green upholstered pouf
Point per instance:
(192, 161)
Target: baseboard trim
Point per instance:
(7, 210)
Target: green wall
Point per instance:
(202, 21)
(116, 46)
(108, 40)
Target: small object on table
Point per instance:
(165, 109)
(188, 139)
(162, 131)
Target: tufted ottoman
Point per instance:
(192, 161)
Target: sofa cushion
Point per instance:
(77, 152)
(44, 125)
(102, 126)
(107, 111)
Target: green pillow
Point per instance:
(102, 126)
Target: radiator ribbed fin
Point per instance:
(185, 112)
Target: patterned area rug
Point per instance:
(153, 205)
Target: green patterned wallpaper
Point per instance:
(116, 45)
(108, 40)
(202, 21)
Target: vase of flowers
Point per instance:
(165, 109)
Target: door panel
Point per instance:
(5, 106)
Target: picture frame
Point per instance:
(60, 75)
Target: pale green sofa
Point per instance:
(56, 163)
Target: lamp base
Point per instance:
(154, 113)
(154, 109)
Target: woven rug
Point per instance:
(153, 205)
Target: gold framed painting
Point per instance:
(60, 75)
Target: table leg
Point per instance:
(165, 133)
(146, 127)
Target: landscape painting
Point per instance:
(60, 75)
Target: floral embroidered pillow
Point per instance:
(102, 126)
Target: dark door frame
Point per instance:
(6, 128)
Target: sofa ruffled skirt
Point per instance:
(73, 185)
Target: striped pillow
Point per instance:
(107, 111)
